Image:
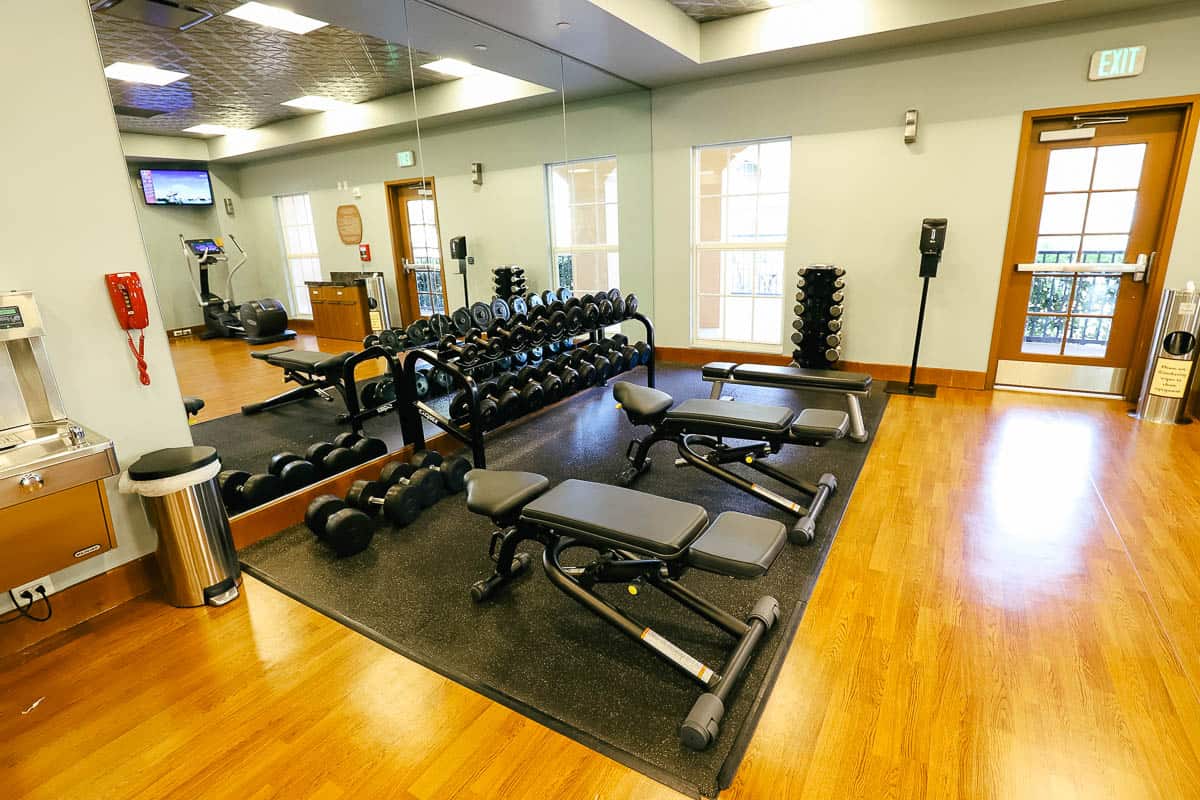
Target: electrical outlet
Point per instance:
(32, 588)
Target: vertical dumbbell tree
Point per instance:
(509, 282)
(817, 329)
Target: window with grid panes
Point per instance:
(299, 238)
(584, 249)
(739, 235)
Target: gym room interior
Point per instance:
(599, 399)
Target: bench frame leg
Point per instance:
(638, 455)
(858, 430)
(702, 724)
(510, 564)
(307, 388)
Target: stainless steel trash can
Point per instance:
(1171, 367)
(195, 547)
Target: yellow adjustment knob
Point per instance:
(618, 406)
(749, 459)
(633, 590)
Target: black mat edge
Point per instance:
(536, 714)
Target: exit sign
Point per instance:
(1120, 62)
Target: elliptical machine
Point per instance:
(257, 321)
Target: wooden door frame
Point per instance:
(390, 188)
(1175, 186)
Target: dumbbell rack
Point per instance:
(412, 410)
(355, 414)
(820, 296)
(509, 282)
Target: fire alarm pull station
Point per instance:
(364, 252)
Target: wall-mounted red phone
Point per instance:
(129, 304)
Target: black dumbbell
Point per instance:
(330, 460)
(466, 353)
(240, 490)
(551, 368)
(512, 332)
(426, 485)
(614, 353)
(533, 396)
(631, 305)
(293, 470)
(364, 448)
(344, 530)
(489, 411)
(453, 471)
(508, 401)
(400, 504)
(588, 374)
(592, 353)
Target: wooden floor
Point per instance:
(222, 373)
(1008, 611)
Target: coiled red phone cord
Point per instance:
(139, 354)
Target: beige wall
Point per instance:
(858, 193)
(67, 218)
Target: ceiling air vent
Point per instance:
(133, 111)
(162, 13)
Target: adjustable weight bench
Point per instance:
(699, 428)
(854, 385)
(316, 373)
(638, 539)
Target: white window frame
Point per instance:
(697, 247)
(606, 249)
(296, 286)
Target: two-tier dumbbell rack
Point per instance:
(819, 307)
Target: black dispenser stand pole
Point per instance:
(462, 269)
(911, 387)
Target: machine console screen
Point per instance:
(10, 317)
(203, 247)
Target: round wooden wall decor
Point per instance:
(349, 224)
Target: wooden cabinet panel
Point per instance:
(340, 312)
(45, 535)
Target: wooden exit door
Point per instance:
(416, 242)
(1089, 234)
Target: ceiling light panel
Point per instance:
(142, 73)
(205, 129)
(274, 17)
(313, 102)
(452, 66)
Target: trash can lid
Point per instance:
(171, 462)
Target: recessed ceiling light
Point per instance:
(142, 73)
(451, 66)
(274, 17)
(313, 102)
(481, 48)
(205, 129)
(562, 26)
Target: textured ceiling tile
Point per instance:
(707, 10)
(239, 72)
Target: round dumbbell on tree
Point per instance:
(240, 490)
(293, 470)
(339, 527)
(425, 486)
(453, 471)
(400, 504)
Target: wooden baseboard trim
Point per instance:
(302, 325)
(187, 330)
(952, 378)
(79, 603)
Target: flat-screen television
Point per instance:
(177, 187)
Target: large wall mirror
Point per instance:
(300, 179)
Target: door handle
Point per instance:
(409, 266)
(31, 482)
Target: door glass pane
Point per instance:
(426, 304)
(422, 281)
(1063, 213)
(1111, 212)
(1070, 170)
(1050, 293)
(1056, 249)
(1104, 249)
(1119, 166)
(1096, 294)
(1043, 335)
(1088, 337)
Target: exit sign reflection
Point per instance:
(1119, 62)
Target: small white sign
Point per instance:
(405, 158)
(1118, 62)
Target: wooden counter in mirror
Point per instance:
(340, 309)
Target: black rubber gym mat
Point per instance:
(536, 650)
(249, 442)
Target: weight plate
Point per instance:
(481, 314)
(387, 338)
(565, 294)
(613, 294)
(442, 324)
(591, 313)
(463, 319)
(419, 332)
(548, 297)
(500, 309)
(370, 340)
(575, 319)
(518, 306)
(533, 300)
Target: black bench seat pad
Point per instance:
(746, 417)
(612, 515)
(738, 545)
(789, 377)
(496, 493)
(302, 360)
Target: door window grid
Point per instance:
(739, 239)
(299, 237)
(1087, 215)
(427, 257)
(584, 241)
